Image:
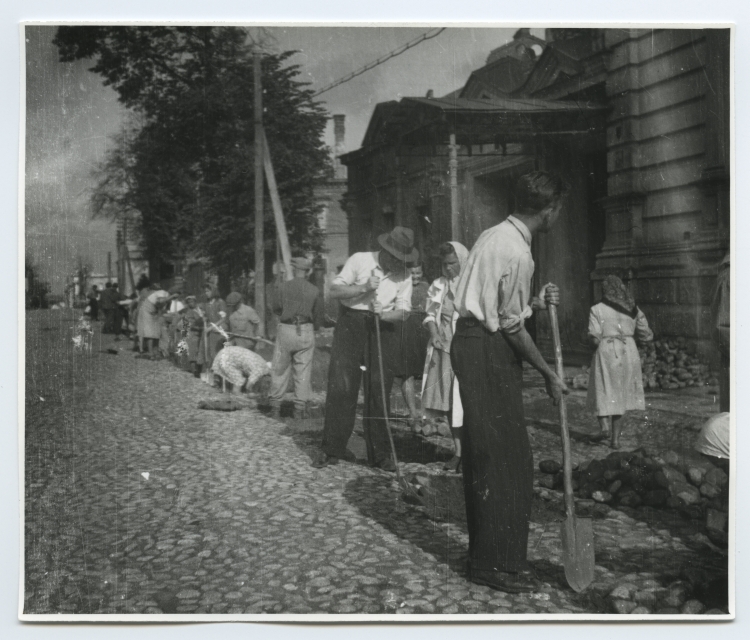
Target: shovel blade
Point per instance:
(578, 552)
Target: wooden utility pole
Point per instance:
(453, 168)
(278, 214)
(109, 266)
(260, 258)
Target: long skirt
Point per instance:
(195, 345)
(497, 459)
(441, 391)
(615, 380)
(412, 340)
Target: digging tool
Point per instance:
(409, 493)
(577, 533)
(206, 374)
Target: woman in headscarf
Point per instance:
(439, 385)
(150, 313)
(615, 380)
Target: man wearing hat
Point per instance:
(243, 321)
(370, 283)
(297, 303)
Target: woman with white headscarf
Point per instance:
(439, 384)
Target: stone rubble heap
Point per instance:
(688, 483)
(673, 364)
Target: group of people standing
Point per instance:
(217, 338)
(465, 335)
(113, 305)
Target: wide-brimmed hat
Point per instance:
(301, 263)
(400, 244)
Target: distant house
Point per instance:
(333, 219)
(636, 120)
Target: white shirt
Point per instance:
(713, 440)
(495, 284)
(394, 291)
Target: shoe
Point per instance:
(321, 460)
(504, 581)
(386, 464)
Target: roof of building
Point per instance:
(430, 121)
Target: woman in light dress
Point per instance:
(439, 385)
(150, 312)
(615, 380)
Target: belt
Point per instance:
(469, 322)
(297, 321)
(364, 312)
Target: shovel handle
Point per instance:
(383, 394)
(564, 434)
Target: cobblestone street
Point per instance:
(138, 502)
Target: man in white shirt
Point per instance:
(370, 283)
(493, 299)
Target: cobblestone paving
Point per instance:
(137, 502)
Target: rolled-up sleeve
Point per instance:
(348, 275)
(513, 298)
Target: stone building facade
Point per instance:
(637, 121)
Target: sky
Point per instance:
(71, 117)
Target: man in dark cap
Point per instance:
(243, 321)
(297, 302)
(371, 283)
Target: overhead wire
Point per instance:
(427, 35)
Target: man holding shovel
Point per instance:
(493, 299)
(370, 283)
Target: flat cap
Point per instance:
(234, 298)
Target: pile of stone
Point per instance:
(688, 483)
(672, 364)
(667, 364)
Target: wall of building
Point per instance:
(667, 213)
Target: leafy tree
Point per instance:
(186, 164)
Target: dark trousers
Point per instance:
(117, 321)
(109, 320)
(497, 460)
(355, 346)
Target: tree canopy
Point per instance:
(183, 165)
